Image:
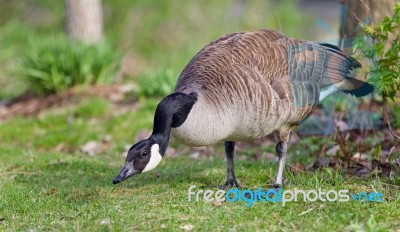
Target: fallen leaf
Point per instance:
(297, 167)
(360, 156)
(126, 88)
(195, 155)
(106, 221)
(51, 191)
(107, 139)
(217, 203)
(91, 148)
(187, 227)
(59, 147)
(333, 151)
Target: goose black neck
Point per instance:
(171, 112)
(162, 127)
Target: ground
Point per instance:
(48, 183)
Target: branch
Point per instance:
(386, 118)
(368, 10)
(342, 142)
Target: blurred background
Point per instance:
(145, 37)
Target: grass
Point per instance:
(47, 183)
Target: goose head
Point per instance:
(142, 157)
(145, 155)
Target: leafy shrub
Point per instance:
(156, 84)
(382, 46)
(54, 64)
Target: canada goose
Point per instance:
(242, 87)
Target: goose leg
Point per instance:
(281, 149)
(230, 172)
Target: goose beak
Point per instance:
(126, 172)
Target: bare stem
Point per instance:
(386, 118)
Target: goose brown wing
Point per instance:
(308, 67)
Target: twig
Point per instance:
(391, 185)
(307, 211)
(12, 173)
(342, 142)
(373, 188)
(391, 152)
(386, 118)
(368, 10)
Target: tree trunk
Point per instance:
(84, 20)
(366, 11)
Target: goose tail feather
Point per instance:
(349, 84)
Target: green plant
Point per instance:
(156, 84)
(381, 44)
(54, 64)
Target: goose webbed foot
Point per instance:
(277, 185)
(230, 170)
(229, 184)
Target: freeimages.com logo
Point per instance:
(249, 197)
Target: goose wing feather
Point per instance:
(291, 68)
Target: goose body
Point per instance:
(242, 87)
(253, 83)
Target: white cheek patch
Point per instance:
(155, 158)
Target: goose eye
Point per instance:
(144, 153)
